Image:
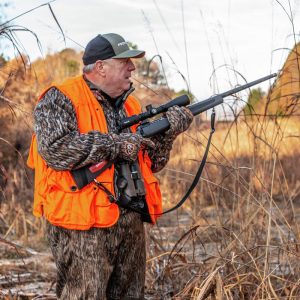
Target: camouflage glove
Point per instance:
(180, 119)
(130, 144)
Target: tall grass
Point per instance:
(238, 235)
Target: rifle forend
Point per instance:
(161, 125)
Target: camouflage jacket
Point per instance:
(64, 148)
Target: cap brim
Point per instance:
(130, 54)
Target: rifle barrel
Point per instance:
(247, 85)
(213, 101)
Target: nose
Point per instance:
(131, 66)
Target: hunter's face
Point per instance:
(118, 73)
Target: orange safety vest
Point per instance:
(88, 207)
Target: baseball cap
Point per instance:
(110, 45)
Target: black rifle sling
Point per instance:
(200, 170)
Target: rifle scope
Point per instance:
(152, 111)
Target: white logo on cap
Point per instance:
(122, 43)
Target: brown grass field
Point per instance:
(239, 231)
(236, 237)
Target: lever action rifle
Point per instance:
(87, 174)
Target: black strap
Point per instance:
(200, 170)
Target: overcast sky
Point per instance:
(241, 34)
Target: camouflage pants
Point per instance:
(100, 263)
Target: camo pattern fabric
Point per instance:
(100, 263)
(59, 141)
(64, 148)
(130, 144)
(180, 119)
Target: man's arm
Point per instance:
(180, 118)
(161, 154)
(60, 143)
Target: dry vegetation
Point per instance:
(239, 233)
(237, 237)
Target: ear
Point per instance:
(99, 67)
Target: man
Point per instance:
(96, 232)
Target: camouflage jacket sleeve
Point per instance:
(161, 154)
(60, 143)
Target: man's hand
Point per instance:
(130, 144)
(180, 119)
